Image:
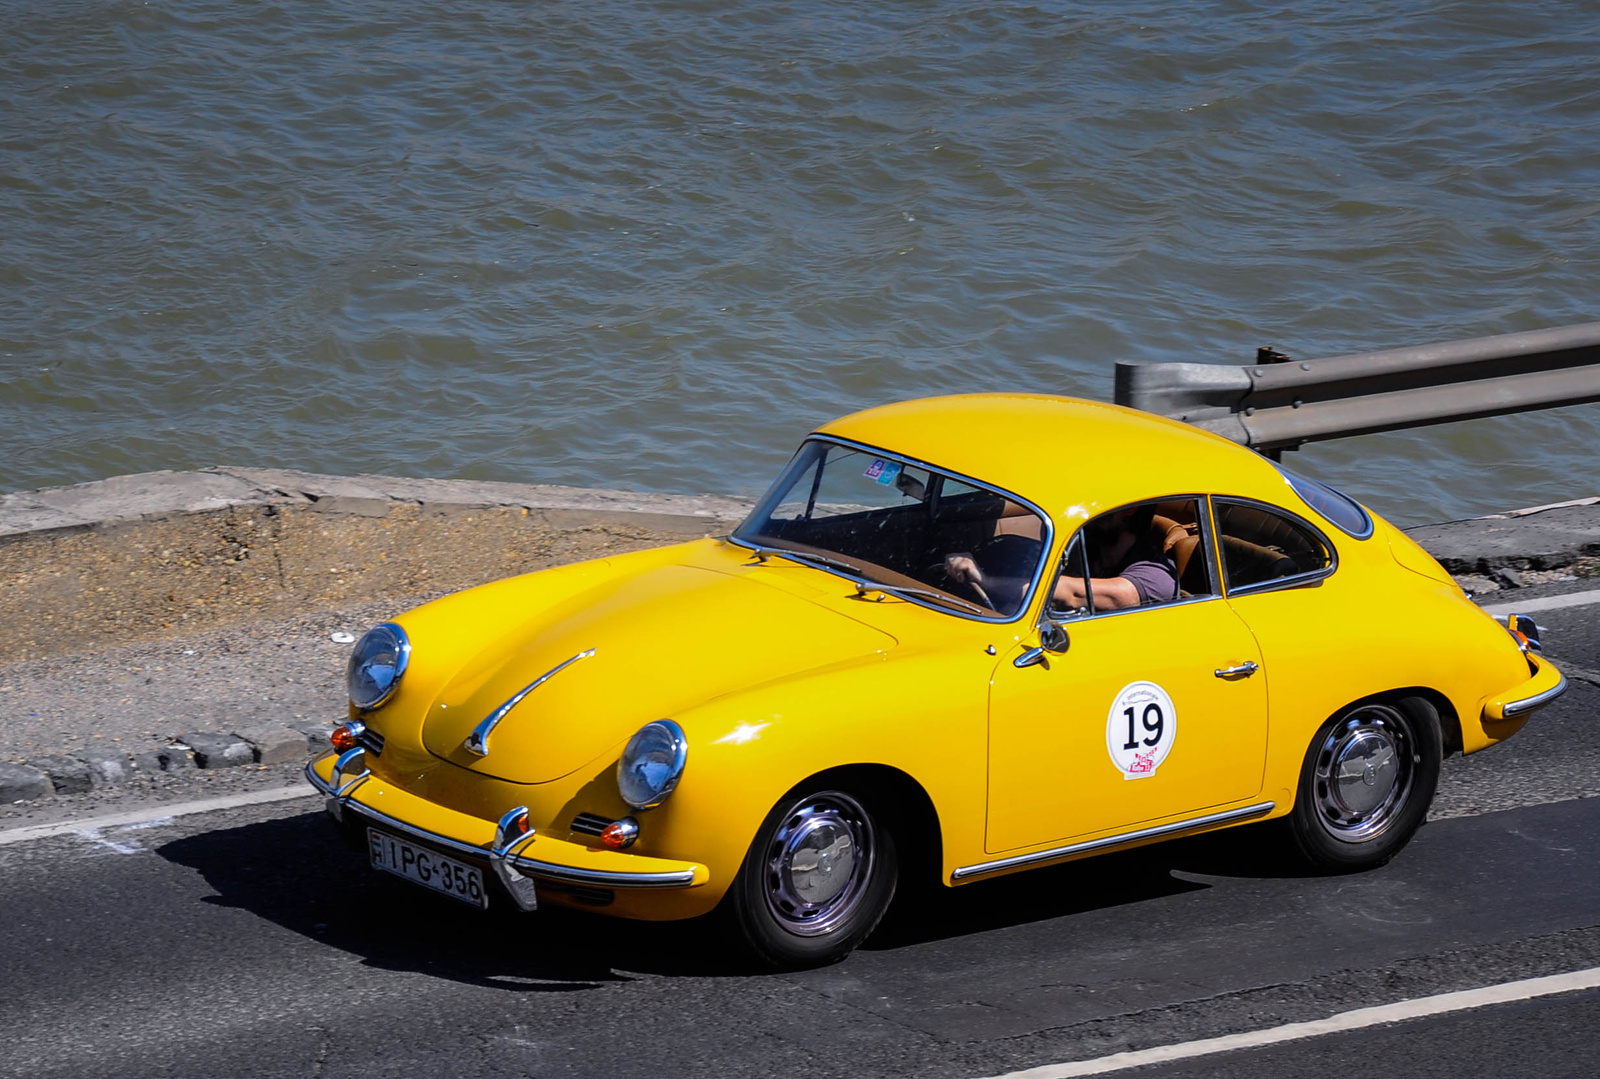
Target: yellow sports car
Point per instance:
(958, 637)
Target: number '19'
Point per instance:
(1153, 725)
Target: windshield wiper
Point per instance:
(809, 558)
(865, 584)
(905, 590)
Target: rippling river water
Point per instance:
(649, 245)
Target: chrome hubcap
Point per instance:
(818, 863)
(1364, 771)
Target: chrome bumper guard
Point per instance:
(504, 858)
(1538, 700)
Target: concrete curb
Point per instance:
(150, 496)
(1537, 538)
(68, 773)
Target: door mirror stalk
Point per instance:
(1053, 641)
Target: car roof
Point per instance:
(1073, 458)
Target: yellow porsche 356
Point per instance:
(963, 637)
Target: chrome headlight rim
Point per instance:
(363, 652)
(677, 746)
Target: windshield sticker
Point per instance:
(882, 471)
(1140, 729)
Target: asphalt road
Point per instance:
(251, 942)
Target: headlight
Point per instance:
(376, 664)
(651, 764)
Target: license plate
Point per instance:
(455, 879)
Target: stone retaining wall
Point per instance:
(167, 553)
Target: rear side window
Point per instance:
(1263, 546)
(1345, 512)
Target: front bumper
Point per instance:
(1544, 685)
(559, 862)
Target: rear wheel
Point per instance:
(1366, 784)
(815, 882)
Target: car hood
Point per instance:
(663, 641)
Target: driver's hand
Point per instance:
(961, 567)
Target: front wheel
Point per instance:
(1366, 784)
(815, 882)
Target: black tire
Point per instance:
(1366, 784)
(789, 921)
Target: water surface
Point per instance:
(649, 245)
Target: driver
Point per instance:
(1128, 566)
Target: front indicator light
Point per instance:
(346, 737)
(620, 834)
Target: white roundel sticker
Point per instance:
(1140, 729)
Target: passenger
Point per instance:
(1129, 567)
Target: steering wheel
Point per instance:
(976, 588)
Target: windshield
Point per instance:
(910, 530)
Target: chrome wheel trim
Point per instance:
(1364, 772)
(818, 863)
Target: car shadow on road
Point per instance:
(297, 873)
(928, 911)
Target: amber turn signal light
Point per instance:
(344, 737)
(620, 833)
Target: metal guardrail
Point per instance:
(1279, 403)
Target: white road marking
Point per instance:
(1548, 603)
(153, 814)
(1398, 1012)
(93, 835)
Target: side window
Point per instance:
(1069, 602)
(1140, 555)
(1261, 545)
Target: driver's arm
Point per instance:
(1110, 593)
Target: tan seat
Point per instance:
(1179, 541)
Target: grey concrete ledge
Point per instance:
(1539, 537)
(152, 495)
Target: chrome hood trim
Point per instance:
(478, 741)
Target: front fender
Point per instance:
(922, 713)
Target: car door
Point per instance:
(1153, 712)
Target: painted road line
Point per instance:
(1548, 603)
(154, 813)
(1398, 1012)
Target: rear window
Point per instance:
(1261, 546)
(1339, 508)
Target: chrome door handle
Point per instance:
(1246, 669)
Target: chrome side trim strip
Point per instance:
(1538, 700)
(478, 741)
(603, 878)
(1113, 841)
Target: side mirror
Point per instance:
(1052, 640)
